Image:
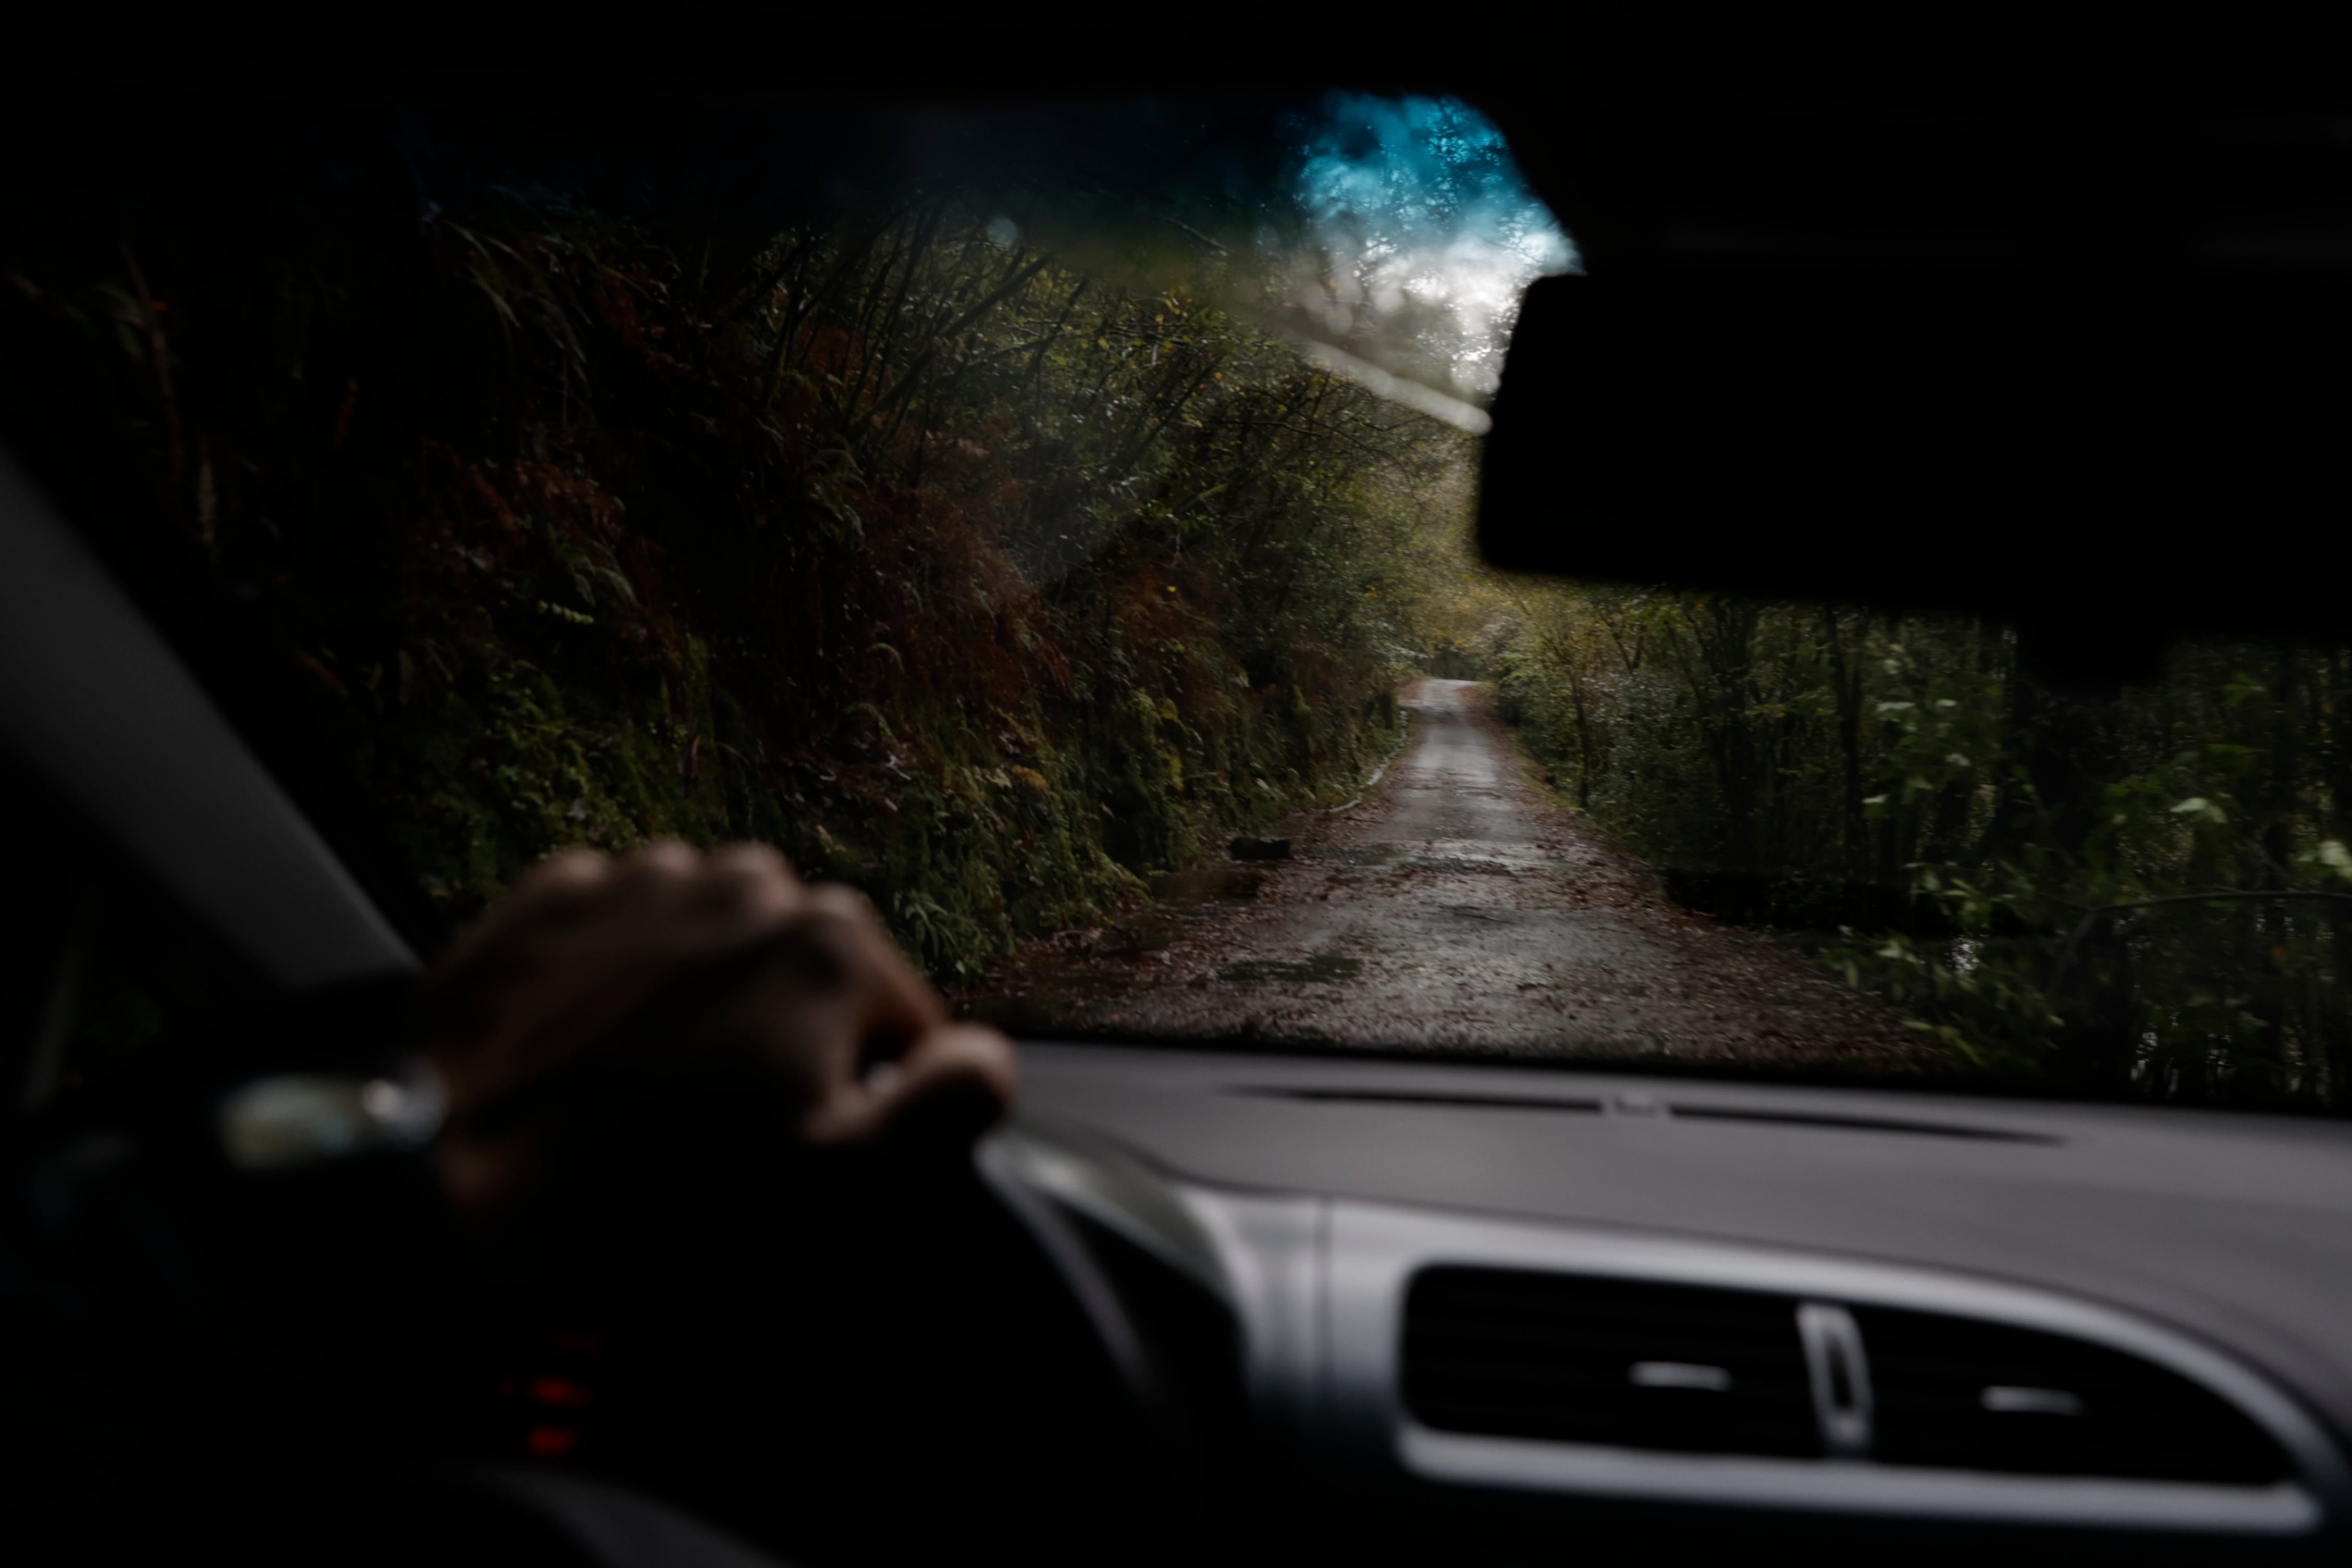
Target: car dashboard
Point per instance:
(1481, 1305)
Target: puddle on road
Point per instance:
(1323, 968)
(1180, 900)
(1187, 890)
(1455, 857)
(1090, 977)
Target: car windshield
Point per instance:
(1058, 523)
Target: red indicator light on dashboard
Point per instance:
(546, 1442)
(558, 1390)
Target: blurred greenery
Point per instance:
(879, 535)
(868, 527)
(2140, 891)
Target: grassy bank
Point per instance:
(878, 537)
(2139, 891)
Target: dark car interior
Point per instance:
(1878, 325)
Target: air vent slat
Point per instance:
(2130, 1418)
(1554, 1357)
(1693, 1368)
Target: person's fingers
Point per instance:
(748, 858)
(585, 942)
(676, 945)
(826, 997)
(554, 889)
(663, 854)
(683, 963)
(646, 882)
(562, 868)
(741, 891)
(967, 1054)
(483, 964)
(951, 1085)
(898, 1003)
(562, 871)
(653, 915)
(664, 894)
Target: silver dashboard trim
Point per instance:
(1840, 1375)
(1318, 1287)
(1854, 1487)
(1261, 1254)
(1376, 1249)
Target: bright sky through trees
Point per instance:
(1421, 235)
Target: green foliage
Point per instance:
(919, 557)
(2141, 891)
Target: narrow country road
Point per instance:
(1455, 908)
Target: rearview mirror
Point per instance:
(2104, 461)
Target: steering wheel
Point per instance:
(902, 1364)
(866, 1364)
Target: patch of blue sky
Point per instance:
(1420, 224)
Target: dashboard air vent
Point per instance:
(1569, 1358)
(1959, 1394)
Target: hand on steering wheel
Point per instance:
(693, 1098)
(607, 1003)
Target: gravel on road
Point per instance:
(1456, 908)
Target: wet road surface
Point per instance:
(1456, 908)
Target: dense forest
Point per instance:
(882, 537)
(2144, 891)
(970, 575)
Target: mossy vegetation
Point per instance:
(876, 537)
(2138, 892)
